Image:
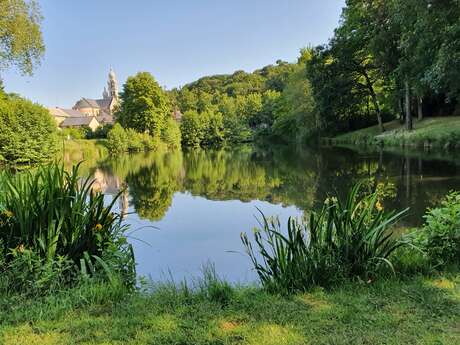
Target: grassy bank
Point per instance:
(419, 311)
(440, 132)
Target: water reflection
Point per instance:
(202, 200)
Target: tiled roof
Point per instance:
(77, 121)
(105, 118)
(59, 112)
(104, 103)
(86, 102)
(73, 113)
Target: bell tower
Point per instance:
(112, 85)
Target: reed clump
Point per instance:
(55, 230)
(344, 240)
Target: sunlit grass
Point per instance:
(414, 311)
(430, 132)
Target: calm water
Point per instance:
(187, 209)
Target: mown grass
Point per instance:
(440, 132)
(417, 311)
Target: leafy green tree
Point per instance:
(213, 129)
(296, 116)
(21, 42)
(28, 134)
(192, 128)
(144, 105)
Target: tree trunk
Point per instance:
(420, 108)
(409, 125)
(375, 102)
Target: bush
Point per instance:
(128, 140)
(171, 134)
(344, 240)
(101, 132)
(439, 238)
(73, 133)
(117, 139)
(55, 228)
(28, 134)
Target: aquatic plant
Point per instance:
(51, 215)
(343, 240)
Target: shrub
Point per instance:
(54, 226)
(117, 139)
(344, 240)
(135, 140)
(28, 134)
(171, 134)
(73, 133)
(439, 238)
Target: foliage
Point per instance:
(145, 107)
(28, 134)
(129, 140)
(75, 133)
(101, 132)
(440, 236)
(171, 134)
(246, 102)
(21, 41)
(55, 226)
(117, 139)
(343, 240)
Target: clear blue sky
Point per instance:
(178, 41)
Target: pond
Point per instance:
(187, 209)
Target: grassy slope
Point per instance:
(419, 311)
(436, 132)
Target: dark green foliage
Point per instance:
(28, 134)
(54, 227)
(343, 240)
(439, 238)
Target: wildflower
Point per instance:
(327, 201)
(379, 206)
(334, 200)
(98, 227)
(8, 214)
(21, 248)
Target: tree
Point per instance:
(21, 42)
(28, 134)
(144, 105)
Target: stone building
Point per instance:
(89, 112)
(104, 106)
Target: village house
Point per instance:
(88, 112)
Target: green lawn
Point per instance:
(430, 132)
(416, 311)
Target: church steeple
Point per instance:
(112, 85)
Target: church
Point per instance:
(88, 112)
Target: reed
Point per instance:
(343, 240)
(56, 214)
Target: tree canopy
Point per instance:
(21, 42)
(144, 105)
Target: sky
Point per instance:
(178, 41)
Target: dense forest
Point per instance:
(386, 60)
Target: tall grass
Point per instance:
(49, 215)
(343, 240)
